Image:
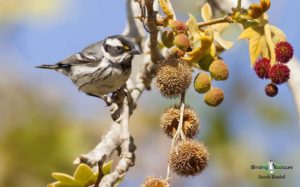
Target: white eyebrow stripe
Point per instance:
(113, 42)
(78, 56)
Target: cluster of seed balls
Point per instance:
(278, 73)
(176, 36)
(203, 82)
(189, 157)
(173, 78)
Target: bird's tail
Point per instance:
(45, 66)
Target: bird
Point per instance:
(100, 68)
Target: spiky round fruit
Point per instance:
(173, 77)
(167, 38)
(271, 90)
(214, 97)
(284, 52)
(279, 73)
(189, 158)
(182, 42)
(155, 182)
(169, 122)
(205, 62)
(178, 27)
(262, 67)
(219, 70)
(202, 83)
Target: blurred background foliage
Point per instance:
(45, 123)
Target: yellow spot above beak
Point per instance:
(126, 48)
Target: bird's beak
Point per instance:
(136, 52)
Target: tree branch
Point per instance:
(124, 104)
(151, 20)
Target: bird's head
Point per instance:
(119, 49)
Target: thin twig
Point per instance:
(226, 19)
(179, 132)
(100, 171)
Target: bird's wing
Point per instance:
(91, 54)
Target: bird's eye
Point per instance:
(120, 49)
(114, 50)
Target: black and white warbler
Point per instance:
(101, 68)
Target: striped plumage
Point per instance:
(101, 68)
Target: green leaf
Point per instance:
(106, 169)
(83, 174)
(60, 184)
(64, 178)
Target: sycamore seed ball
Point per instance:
(155, 182)
(271, 90)
(202, 83)
(167, 38)
(169, 121)
(279, 73)
(214, 97)
(189, 158)
(173, 77)
(284, 52)
(178, 27)
(219, 70)
(182, 42)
